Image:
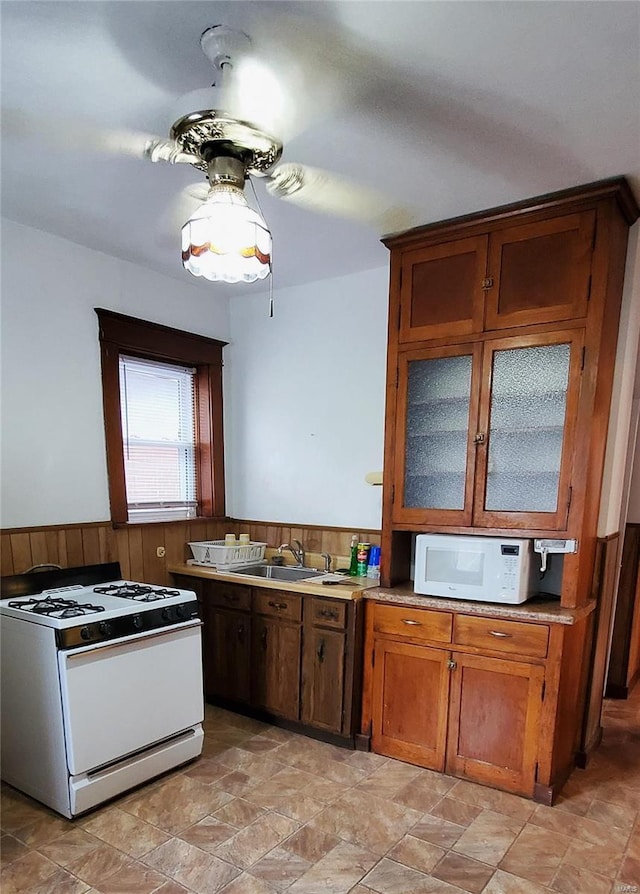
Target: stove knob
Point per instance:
(180, 611)
(85, 633)
(104, 628)
(166, 614)
(137, 622)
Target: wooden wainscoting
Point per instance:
(624, 663)
(603, 590)
(136, 546)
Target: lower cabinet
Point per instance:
(495, 707)
(467, 714)
(276, 652)
(228, 654)
(410, 695)
(283, 656)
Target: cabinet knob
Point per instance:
(277, 605)
(487, 283)
(479, 438)
(451, 664)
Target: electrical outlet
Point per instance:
(161, 552)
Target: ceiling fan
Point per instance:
(225, 131)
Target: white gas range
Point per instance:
(101, 684)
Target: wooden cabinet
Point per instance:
(323, 678)
(328, 671)
(227, 650)
(495, 710)
(501, 349)
(522, 275)
(410, 702)
(485, 433)
(277, 639)
(441, 697)
(283, 657)
(226, 643)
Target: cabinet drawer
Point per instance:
(328, 612)
(501, 636)
(416, 623)
(228, 596)
(278, 604)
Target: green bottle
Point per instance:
(353, 565)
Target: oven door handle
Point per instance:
(125, 640)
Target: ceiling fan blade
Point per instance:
(327, 193)
(78, 135)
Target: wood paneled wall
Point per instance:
(136, 546)
(595, 665)
(624, 663)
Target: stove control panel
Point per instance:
(90, 632)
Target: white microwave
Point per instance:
(485, 569)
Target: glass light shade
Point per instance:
(225, 240)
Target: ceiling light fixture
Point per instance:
(225, 240)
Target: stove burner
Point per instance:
(60, 608)
(138, 592)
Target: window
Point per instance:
(157, 407)
(162, 394)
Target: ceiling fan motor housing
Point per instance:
(226, 163)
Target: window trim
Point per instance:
(121, 334)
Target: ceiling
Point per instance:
(447, 107)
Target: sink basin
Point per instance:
(278, 572)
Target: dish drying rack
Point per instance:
(217, 553)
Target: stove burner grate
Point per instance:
(138, 592)
(60, 608)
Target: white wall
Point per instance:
(620, 447)
(53, 464)
(305, 411)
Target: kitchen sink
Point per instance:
(278, 572)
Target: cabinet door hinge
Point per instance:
(595, 230)
(397, 377)
(584, 354)
(536, 776)
(589, 289)
(569, 499)
(487, 283)
(544, 689)
(393, 494)
(373, 658)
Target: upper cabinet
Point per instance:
(518, 275)
(485, 432)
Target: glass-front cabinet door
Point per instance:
(436, 418)
(530, 389)
(485, 432)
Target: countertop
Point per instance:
(539, 609)
(352, 588)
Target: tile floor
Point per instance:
(265, 811)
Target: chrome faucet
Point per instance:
(297, 551)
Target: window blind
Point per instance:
(157, 402)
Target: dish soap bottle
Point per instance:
(353, 565)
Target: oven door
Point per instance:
(121, 697)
